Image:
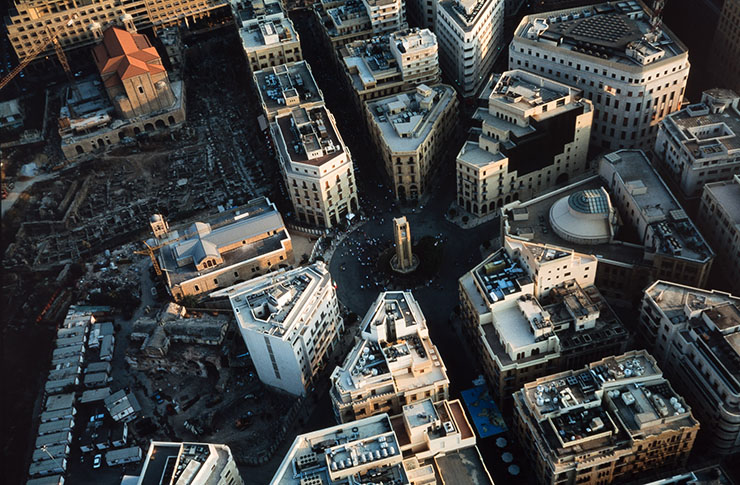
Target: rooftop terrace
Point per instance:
(617, 32)
(286, 85)
(406, 120)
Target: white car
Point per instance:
(97, 461)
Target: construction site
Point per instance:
(89, 217)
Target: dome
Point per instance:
(156, 218)
(584, 217)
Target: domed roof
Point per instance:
(592, 201)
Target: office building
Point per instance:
(283, 88)
(426, 443)
(412, 131)
(28, 20)
(625, 216)
(470, 34)
(719, 214)
(633, 74)
(270, 43)
(612, 421)
(344, 21)
(135, 96)
(533, 134)
(695, 336)
(724, 55)
(227, 248)
(316, 166)
(195, 463)
(390, 64)
(394, 363)
(289, 321)
(531, 310)
(701, 143)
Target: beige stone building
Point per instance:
(394, 363)
(627, 217)
(695, 336)
(390, 64)
(412, 130)
(132, 73)
(531, 310)
(29, 21)
(136, 96)
(344, 21)
(270, 43)
(633, 76)
(533, 134)
(290, 322)
(425, 444)
(614, 420)
(316, 166)
(170, 462)
(700, 143)
(719, 216)
(229, 248)
(283, 88)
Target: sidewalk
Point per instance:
(473, 221)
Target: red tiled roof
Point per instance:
(126, 54)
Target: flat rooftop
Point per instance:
(356, 449)
(186, 462)
(286, 84)
(537, 227)
(310, 136)
(254, 10)
(523, 90)
(501, 276)
(727, 195)
(267, 33)
(601, 33)
(706, 134)
(372, 60)
(386, 356)
(277, 303)
(717, 327)
(406, 120)
(465, 13)
(675, 232)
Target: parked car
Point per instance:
(97, 460)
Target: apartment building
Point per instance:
(412, 130)
(283, 88)
(634, 75)
(625, 216)
(316, 166)
(228, 248)
(699, 144)
(470, 36)
(533, 134)
(614, 420)
(531, 310)
(426, 443)
(79, 24)
(393, 364)
(289, 321)
(719, 214)
(170, 462)
(695, 336)
(724, 55)
(344, 21)
(270, 43)
(389, 64)
(386, 15)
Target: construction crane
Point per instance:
(52, 37)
